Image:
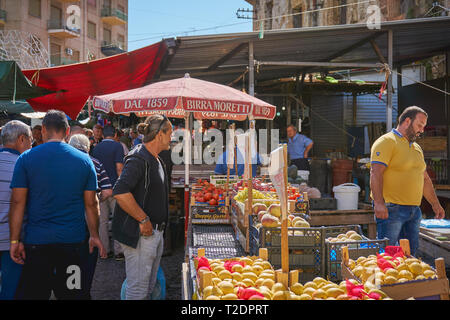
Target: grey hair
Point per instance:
(80, 141)
(13, 130)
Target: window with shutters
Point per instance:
(92, 30)
(34, 8)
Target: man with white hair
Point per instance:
(81, 142)
(16, 137)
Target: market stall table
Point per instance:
(363, 216)
(431, 243)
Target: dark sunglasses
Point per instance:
(162, 122)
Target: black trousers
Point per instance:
(301, 164)
(57, 267)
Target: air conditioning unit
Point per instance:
(69, 51)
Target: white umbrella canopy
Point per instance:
(207, 100)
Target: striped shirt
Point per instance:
(102, 177)
(8, 158)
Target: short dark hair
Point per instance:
(411, 112)
(109, 131)
(55, 120)
(291, 125)
(154, 124)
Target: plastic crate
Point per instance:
(356, 249)
(310, 237)
(323, 204)
(307, 261)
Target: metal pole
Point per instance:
(319, 64)
(187, 159)
(251, 70)
(389, 84)
(447, 110)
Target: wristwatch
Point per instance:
(144, 220)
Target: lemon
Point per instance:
(225, 274)
(310, 284)
(297, 288)
(279, 295)
(309, 291)
(305, 297)
(230, 296)
(278, 287)
(334, 292)
(392, 273)
(237, 268)
(268, 283)
(415, 268)
(405, 274)
(212, 298)
(226, 287)
(319, 294)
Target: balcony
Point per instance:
(112, 48)
(113, 16)
(65, 61)
(2, 17)
(60, 30)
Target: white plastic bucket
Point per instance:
(303, 174)
(347, 196)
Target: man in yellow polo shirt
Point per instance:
(398, 180)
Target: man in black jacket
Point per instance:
(142, 211)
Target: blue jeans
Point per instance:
(403, 223)
(10, 276)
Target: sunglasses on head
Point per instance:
(162, 122)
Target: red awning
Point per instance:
(77, 82)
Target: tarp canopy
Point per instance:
(15, 86)
(20, 106)
(77, 82)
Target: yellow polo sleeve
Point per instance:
(382, 150)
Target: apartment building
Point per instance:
(72, 31)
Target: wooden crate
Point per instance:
(418, 289)
(204, 278)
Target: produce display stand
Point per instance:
(363, 216)
(429, 289)
(431, 243)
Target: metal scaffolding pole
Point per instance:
(389, 84)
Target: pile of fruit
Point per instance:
(350, 236)
(257, 184)
(321, 289)
(238, 278)
(208, 193)
(242, 195)
(251, 278)
(385, 269)
(270, 217)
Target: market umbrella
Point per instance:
(179, 97)
(207, 100)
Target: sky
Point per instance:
(149, 21)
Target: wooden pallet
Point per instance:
(416, 288)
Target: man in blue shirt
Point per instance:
(298, 148)
(16, 137)
(55, 186)
(221, 166)
(110, 153)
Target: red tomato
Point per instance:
(216, 196)
(213, 202)
(208, 196)
(201, 199)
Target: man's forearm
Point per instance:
(376, 185)
(309, 147)
(92, 219)
(128, 203)
(16, 213)
(428, 191)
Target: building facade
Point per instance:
(71, 31)
(282, 14)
